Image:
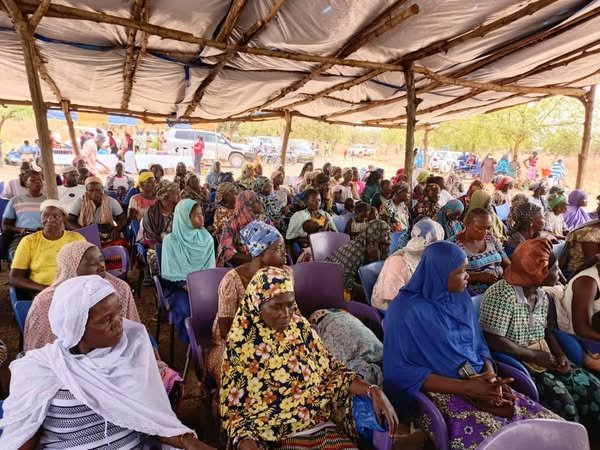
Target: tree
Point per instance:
(14, 113)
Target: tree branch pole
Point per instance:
(588, 105)
(37, 99)
(67, 112)
(411, 122)
(286, 137)
(426, 145)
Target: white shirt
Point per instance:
(444, 197)
(14, 188)
(68, 195)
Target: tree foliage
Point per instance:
(18, 113)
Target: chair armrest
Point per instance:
(571, 345)
(423, 406)
(509, 360)
(523, 382)
(588, 344)
(382, 440)
(196, 351)
(368, 315)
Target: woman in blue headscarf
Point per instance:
(434, 344)
(188, 248)
(503, 166)
(449, 217)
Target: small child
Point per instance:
(373, 214)
(358, 223)
(348, 207)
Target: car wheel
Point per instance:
(236, 160)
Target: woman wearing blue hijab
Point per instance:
(433, 343)
(449, 217)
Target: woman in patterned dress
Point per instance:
(280, 386)
(434, 304)
(514, 317)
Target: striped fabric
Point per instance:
(72, 425)
(558, 171)
(25, 210)
(324, 439)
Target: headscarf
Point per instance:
(269, 400)
(422, 177)
(87, 214)
(451, 227)
(186, 249)
(50, 203)
(522, 213)
(555, 200)
(575, 215)
(536, 185)
(212, 177)
(271, 204)
(257, 236)
(101, 379)
(453, 185)
(504, 181)
(188, 192)
(424, 232)
(479, 199)
(428, 203)
(529, 263)
(143, 177)
(503, 166)
(354, 254)
(423, 311)
(164, 187)
(222, 191)
(396, 179)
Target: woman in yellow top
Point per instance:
(280, 385)
(247, 178)
(34, 265)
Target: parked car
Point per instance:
(443, 161)
(215, 146)
(13, 158)
(361, 150)
(301, 151)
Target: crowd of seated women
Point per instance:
(326, 380)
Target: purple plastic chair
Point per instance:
(203, 291)
(320, 285)
(163, 305)
(91, 233)
(114, 254)
(538, 433)
(325, 243)
(439, 430)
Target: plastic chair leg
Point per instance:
(172, 345)
(157, 336)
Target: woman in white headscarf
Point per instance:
(399, 267)
(96, 386)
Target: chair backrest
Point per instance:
(3, 204)
(162, 300)
(538, 433)
(203, 292)
(394, 240)
(91, 233)
(117, 260)
(557, 249)
(325, 243)
(368, 277)
(341, 222)
(477, 303)
(502, 211)
(21, 308)
(158, 250)
(318, 285)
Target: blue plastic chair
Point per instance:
(557, 249)
(503, 211)
(368, 275)
(117, 253)
(91, 233)
(1, 187)
(341, 222)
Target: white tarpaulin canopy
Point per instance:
(526, 44)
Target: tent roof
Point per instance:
(110, 68)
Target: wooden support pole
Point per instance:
(37, 98)
(67, 112)
(588, 105)
(286, 137)
(411, 122)
(426, 145)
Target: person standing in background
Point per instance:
(558, 172)
(112, 143)
(198, 151)
(531, 165)
(488, 167)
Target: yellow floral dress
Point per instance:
(276, 384)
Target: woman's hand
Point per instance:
(247, 444)
(383, 408)
(484, 387)
(545, 359)
(562, 364)
(193, 443)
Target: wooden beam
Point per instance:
(477, 32)
(363, 37)
(286, 137)
(426, 145)
(70, 13)
(67, 112)
(411, 122)
(39, 108)
(37, 16)
(445, 80)
(588, 104)
(132, 54)
(230, 20)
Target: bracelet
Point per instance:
(182, 437)
(370, 388)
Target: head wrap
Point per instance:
(421, 312)
(223, 189)
(451, 227)
(55, 204)
(276, 174)
(575, 215)
(143, 177)
(529, 266)
(536, 185)
(257, 236)
(522, 214)
(422, 177)
(186, 249)
(400, 187)
(424, 232)
(260, 183)
(504, 181)
(69, 169)
(164, 187)
(94, 179)
(70, 307)
(555, 200)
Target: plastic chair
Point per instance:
(117, 254)
(163, 305)
(158, 250)
(320, 285)
(557, 249)
(20, 310)
(1, 188)
(340, 222)
(477, 303)
(325, 243)
(394, 240)
(439, 430)
(3, 247)
(368, 275)
(91, 233)
(503, 211)
(538, 433)
(203, 290)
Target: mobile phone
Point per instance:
(466, 371)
